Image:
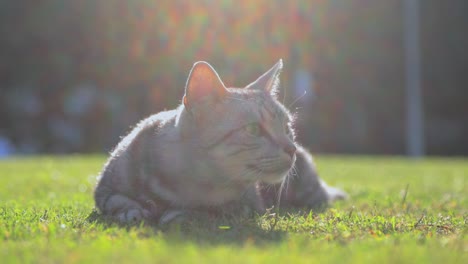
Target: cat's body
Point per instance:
(222, 145)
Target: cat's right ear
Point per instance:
(203, 84)
(269, 80)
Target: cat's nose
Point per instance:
(290, 149)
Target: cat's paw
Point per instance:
(133, 215)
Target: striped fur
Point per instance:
(220, 147)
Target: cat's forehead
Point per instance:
(256, 104)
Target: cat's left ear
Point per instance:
(203, 84)
(269, 81)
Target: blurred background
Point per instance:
(365, 76)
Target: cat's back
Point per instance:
(147, 131)
(139, 145)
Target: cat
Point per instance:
(221, 146)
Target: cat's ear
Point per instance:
(203, 84)
(269, 81)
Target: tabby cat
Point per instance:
(220, 146)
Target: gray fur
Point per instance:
(215, 150)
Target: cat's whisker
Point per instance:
(297, 99)
(285, 183)
(283, 186)
(294, 170)
(269, 186)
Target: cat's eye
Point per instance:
(253, 129)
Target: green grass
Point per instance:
(400, 211)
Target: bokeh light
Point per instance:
(76, 74)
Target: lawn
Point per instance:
(400, 211)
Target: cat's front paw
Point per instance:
(133, 215)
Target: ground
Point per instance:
(400, 211)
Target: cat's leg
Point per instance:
(246, 206)
(125, 210)
(121, 208)
(333, 193)
(128, 211)
(307, 189)
(253, 199)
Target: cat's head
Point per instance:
(245, 132)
